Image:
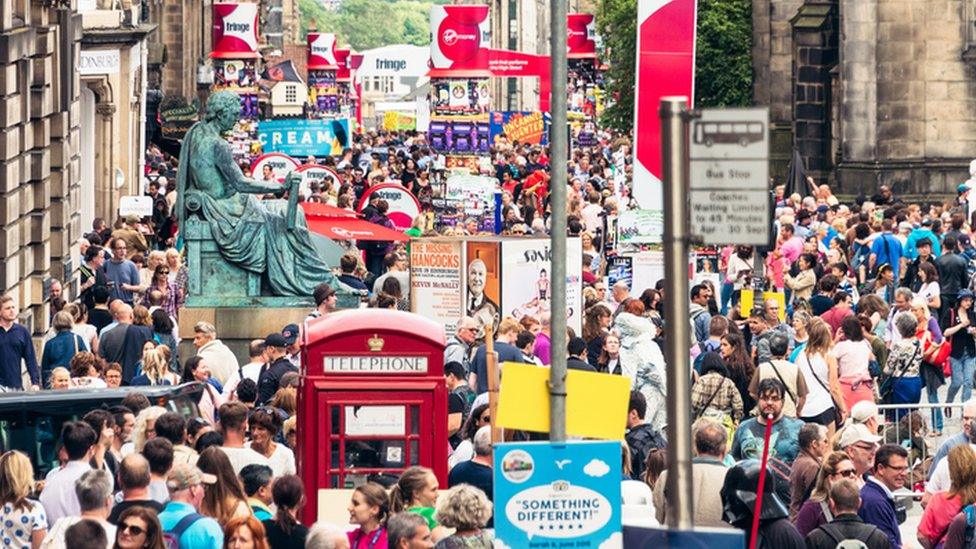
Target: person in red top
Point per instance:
(369, 509)
(841, 310)
(944, 506)
(537, 185)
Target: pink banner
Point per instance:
(235, 31)
(322, 51)
(461, 37)
(665, 67)
(581, 35)
(343, 74)
(514, 64)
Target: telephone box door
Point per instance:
(372, 433)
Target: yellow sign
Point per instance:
(746, 297)
(395, 121)
(596, 404)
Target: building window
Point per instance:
(291, 93)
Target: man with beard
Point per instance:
(748, 440)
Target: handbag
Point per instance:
(888, 385)
(944, 353)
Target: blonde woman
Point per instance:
(60, 379)
(466, 509)
(155, 259)
(23, 522)
(143, 430)
(155, 368)
(825, 402)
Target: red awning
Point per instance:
(351, 228)
(318, 209)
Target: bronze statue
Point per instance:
(252, 235)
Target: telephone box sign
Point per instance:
(461, 37)
(235, 30)
(581, 35)
(322, 51)
(376, 364)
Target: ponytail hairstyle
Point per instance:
(375, 496)
(288, 493)
(412, 481)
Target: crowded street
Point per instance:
(423, 274)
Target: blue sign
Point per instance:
(300, 137)
(558, 495)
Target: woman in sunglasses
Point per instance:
(138, 528)
(815, 511)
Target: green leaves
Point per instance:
(723, 56)
(367, 24)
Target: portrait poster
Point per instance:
(459, 95)
(483, 286)
(437, 280)
(527, 279)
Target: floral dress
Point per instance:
(19, 524)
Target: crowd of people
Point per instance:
(867, 303)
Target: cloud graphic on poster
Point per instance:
(499, 544)
(596, 468)
(615, 541)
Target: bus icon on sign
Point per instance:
(728, 133)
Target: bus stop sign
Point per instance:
(729, 177)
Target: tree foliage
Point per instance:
(723, 56)
(366, 24)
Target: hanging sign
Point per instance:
(301, 137)
(235, 30)
(581, 35)
(525, 127)
(403, 205)
(273, 167)
(461, 36)
(321, 51)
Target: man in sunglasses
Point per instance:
(860, 445)
(878, 505)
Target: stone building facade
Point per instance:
(39, 151)
(871, 91)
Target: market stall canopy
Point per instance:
(344, 225)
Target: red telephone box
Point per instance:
(373, 399)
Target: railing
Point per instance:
(908, 425)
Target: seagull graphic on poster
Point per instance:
(562, 463)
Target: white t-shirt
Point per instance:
(940, 481)
(242, 457)
(929, 290)
(818, 398)
(282, 461)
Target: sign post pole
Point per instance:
(559, 141)
(674, 155)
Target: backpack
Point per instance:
(171, 538)
(842, 542)
(970, 539)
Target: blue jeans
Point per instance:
(726, 297)
(936, 412)
(962, 376)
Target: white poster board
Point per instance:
(648, 268)
(527, 284)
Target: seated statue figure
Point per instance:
(248, 233)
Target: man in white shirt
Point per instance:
(233, 425)
(396, 266)
(219, 357)
(58, 497)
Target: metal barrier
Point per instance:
(909, 425)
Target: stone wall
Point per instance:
(39, 144)
(772, 56)
(184, 29)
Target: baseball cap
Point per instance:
(131, 218)
(857, 433)
(290, 332)
(184, 475)
(863, 411)
(275, 340)
(966, 293)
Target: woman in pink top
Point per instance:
(853, 355)
(368, 509)
(944, 506)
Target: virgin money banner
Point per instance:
(235, 31)
(581, 35)
(461, 36)
(665, 67)
(343, 74)
(321, 51)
